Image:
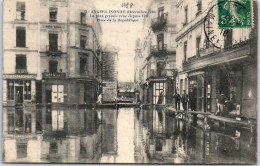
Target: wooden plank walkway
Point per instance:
(189, 112)
(228, 120)
(118, 105)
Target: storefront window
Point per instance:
(10, 90)
(158, 90)
(27, 90)
(57, 93)
(18, 90)
(57, 120)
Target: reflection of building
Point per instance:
(109, 134)
(109, 73)
(171, 140)
(19, 119)
(63, 139)
(158, 137)
(60, 48)
(206, 71)
(156, 55)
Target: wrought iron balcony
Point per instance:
(159, 24)
(53, 75)
(157, 51)
(53, 50)
(213, 55)
(158, 73)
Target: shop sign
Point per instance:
(19, 76)
(53, 75)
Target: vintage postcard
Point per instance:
(130, 81)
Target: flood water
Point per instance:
(124, 135)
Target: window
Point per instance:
(57, 93)
(83, 18)
(57, 120)
(198, 7)
(185, 50)
(83, 41)
(53, 66)
(158, 88)
(83, 65)
(53, 14)
(10, 118)
(20, 37)
(198, 46)
(181, 87)
(20, 10)
(53, 42)
(27, 90)
(160, 42)
(10, 89)
(186, 15)
(160, 68)
(20, 64)
(228, 39)
(160, 14)
(93, 65)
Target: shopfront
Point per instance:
(18, 89)
(161, 91)
(197, 91)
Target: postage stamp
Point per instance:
(234, 13)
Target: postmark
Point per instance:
(216, 29)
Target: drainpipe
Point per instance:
(68, 47)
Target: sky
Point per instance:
(122, 35)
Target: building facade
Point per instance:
(156, 55)
(206, 71)
(54, 54)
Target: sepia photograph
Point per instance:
(130, 81)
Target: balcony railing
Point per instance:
(21, 71)
(158, 73)
(159, 24)
(53, 50)
(155, 50)
(213, 55)
(53, 75)
(84, 72)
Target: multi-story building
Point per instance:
(20, 53)
(206, 71)
(52, 52)
(109, 73)
(70, 52)
(158, 53)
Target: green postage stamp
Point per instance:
(235, 13)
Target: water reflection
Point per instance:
(164, 138)
(126, 135)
